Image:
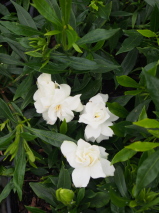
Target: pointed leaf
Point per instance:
(147, 172)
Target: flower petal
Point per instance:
(46, 118)
(107, 168)
(99, 98)
(101, 138)
(91, 132)
(103, 153)
(112, 116)
(81, 176)
(83, 144)
(105, 130)
(67, 147)
(96, 171)
(74, 103)
(44, 77)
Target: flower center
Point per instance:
(58, 107)
(97, 115)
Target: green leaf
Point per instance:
(143, 114)
(47, 11)
(23, 16)
(63, 127)
(147, 33)
(147, 172)
(119, 128)
(117, 109)
(154, 20)
(53, 138)
(28, 97)
(97, 35)
(142, 146)
(64, 180)
(23, 88)
(27, 136)
(117, 200)
(19, 172)
(53, 32)
(91, 89)
(7, 59)
(52, 158)
(153, 88)
(71, 37)
(120, 181)
(77, 63)
(129, 61)
(19, 29)
(6, 191)
(133, 92)
(135, 113)
(130, 43)
(80, 195)
(34, 210)
(99, 200)
(66, 10)
(6, 111)
(152, 2)
(127, 81)
(123, 155)
(4, 140)
(44, 192)
(148, 123)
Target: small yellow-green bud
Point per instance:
(65, 196)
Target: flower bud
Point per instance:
(65, 196)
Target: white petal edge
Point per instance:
(67, 147)
(107, 168)
(81, 176)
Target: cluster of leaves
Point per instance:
(107, 46)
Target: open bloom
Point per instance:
(62, 105)
(45, 93)
(54, 101)
(87, 160)
(98, 119)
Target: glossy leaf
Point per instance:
(153, 88)
(130, 43)
(23, 88)
(34, 210)
(66, 10)
(117, 109)
(53, 138)
(142, 146)
(64, 180)
(23, 16)
(147, 123)
(126, 81)
(147, 33)
(7, 59)
(120, 181)
(147, 172)
(97, 35)
(19, 172)
(43, 192)
(47, 11)
(4, 108)
(19, 29)
(123, 155)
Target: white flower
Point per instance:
(54, 100)
(62, 105)
(45, 93)
(88, 161)
(98, 119)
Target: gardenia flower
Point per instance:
(54, 101)
(87, 160)
(98, 119)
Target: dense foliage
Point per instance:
(99, 46)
